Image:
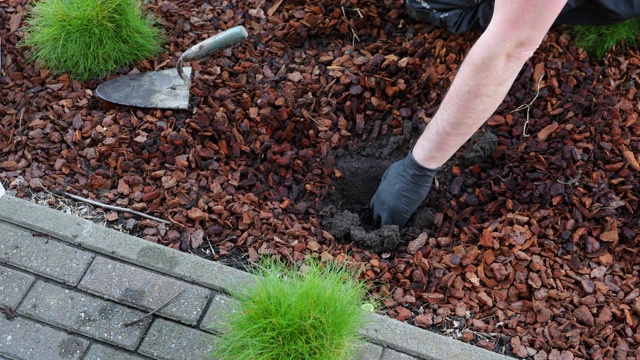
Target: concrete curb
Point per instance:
(83, 233)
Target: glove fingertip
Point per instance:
(386, 220)
(381, 217)
(401, 221)
(376, 217)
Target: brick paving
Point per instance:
(72, 304)
(69, 287)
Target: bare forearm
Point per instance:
(478, 89)
(516, 30)
(486, 76)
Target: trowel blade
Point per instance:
(162, 89)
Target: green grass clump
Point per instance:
(90, 38)
(598, 40)
(311, 311)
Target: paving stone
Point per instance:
(47, 257)
(88, 235)
(145, 289)
(412, 340)
(369, 351)
(25, 339)
(167, 340)
(402, 337)
(13, 285)
(389, 354)
(103, 352)
(85, 314)
(221, 307)
(42, 219)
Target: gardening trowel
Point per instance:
(167, 89)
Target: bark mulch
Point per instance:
(528, 249)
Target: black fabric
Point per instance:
(461, 15)
(455, 16)
(600, 12)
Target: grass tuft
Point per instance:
(90, 38)
(598, 40)
(311, 311)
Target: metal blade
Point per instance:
(162, 89)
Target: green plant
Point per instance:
(312, 311)
(90, 37)
(598, 40)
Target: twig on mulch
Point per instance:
(573, 181)
(153, 311)
(353, 31)
(117, 208)
(213, 252)
(528, 107)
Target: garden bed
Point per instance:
(527, 243)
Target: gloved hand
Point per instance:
(404, 186)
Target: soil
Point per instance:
(347, 215)
(526, 245)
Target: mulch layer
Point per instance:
(531, 251)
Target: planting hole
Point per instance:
(359, 180)
(347, 214)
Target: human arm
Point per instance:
(483, 80)
(486, 75)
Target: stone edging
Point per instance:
(83, 233)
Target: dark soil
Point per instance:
(347, 215)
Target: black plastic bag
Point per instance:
(458, 16)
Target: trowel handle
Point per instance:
(209, 46)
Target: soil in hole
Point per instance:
(359, 180)
(346, 213)
(349, 217)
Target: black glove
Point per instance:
(404, 186)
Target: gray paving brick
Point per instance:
(13, 285)
(369, 351)
(409, 339)
(167, 340)
(103, 352)
(25, 339)
(389, 354)
(145, 289)
(221, 307)
(85, 314)
(47, 257)
(41, 218)
(400, 336)
(100, 239)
